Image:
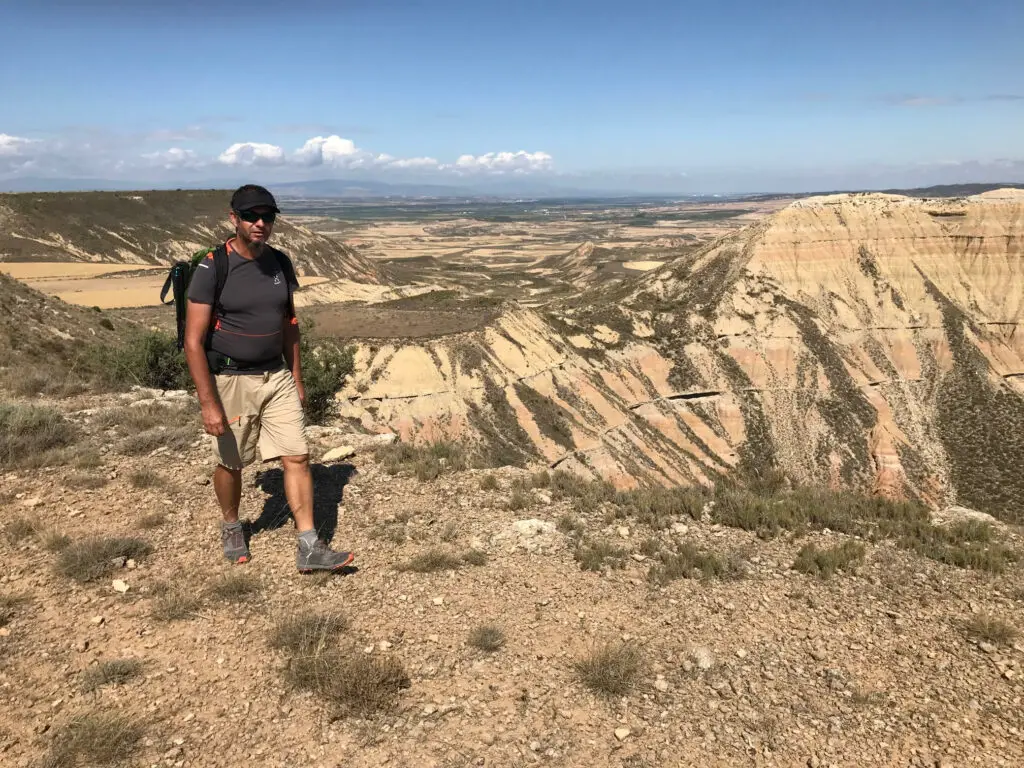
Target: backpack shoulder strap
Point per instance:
(220, 266)
(289, 277)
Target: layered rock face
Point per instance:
(856, 340)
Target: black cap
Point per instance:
(253, 196)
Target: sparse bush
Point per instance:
(93, 558)
(149, 359)
(324, 370)
(427, 462)
(145, 478)
(432, 560)
(19, 529)
(53, 540)
(354, 682)
(235, 587)
(487, 637)
(142, 443)
(991, 629)
(139, 418)
(597, 555)
(570, 525)
(475, 557)
(113, 672)
(152, 520)
(688, 562)
(449, 531)
(8, 607)
(825, 562)
(95, 738)
(489, 483)
(610, 669)
(30, 435)
(540, 479)
(175, 603)
(657, 507)
(519, 501)
(305, 634)
(85, 481)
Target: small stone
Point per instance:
(131, 565)
(434, 638)
(120, 586)
(622, 733)
(987, 647)
(98, 620)
(82, 646)
(429, 709)
(623, 531)
(661, 685)
(535, 746)
(488, 739)
(33, 502)
(741, 653)
(438, 601)
(818, 653)
(638, 557)
(680, 528)
(384, 645)
(188, 718)
(5, 632)
(339, 453)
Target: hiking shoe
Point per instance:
(320, 557)
(235, 548)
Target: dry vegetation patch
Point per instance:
(688, 562)
(113, 672)
(236, 587)
(991, 629)
(93, 558)
(94, 738)
(610, 669)
(827, 562)
(487, 637)
(9, 605)
(31, 436)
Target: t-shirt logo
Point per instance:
(277, 279)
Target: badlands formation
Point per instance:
(864, 340)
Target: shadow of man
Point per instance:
(329, 483)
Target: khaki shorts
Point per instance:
(263, 411)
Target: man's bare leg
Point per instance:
(227, 483)
(314, 554)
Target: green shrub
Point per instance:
(324, 369)
(149, 359)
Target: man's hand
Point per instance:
(302, 392)
(215, 422)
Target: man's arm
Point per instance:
(292, 358)
(197, 322)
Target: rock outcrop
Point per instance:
(862, 340)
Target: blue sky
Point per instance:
(726, 96)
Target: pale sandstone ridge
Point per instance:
(865, 340)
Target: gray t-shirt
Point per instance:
(254, 304)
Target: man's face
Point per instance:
(255, 225)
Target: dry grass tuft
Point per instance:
(474, 557)
(31, 435)
(610, 669)
(826, 562)
(306, 634)
(175, 604)
(142, 443)
(487, 637)
(235, 587)
(145, 478)
(489, 483)
(93, 558)
(570, 525)
(152, 520)
(85, 481)
(19, 529)
(449, 531)
(433, 560)
(353, 682)
(53, 540)
(113, 672)
(991, 629)
(94, 738)
(519, 500)
(9, 606)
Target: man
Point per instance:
(243, 354)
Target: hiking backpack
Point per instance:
(180, 276)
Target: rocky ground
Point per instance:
(876, 666)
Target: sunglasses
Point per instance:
(252, 217)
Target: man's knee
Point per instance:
(300, 463)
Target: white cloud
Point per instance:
(413, 162)
(502, 162)
(175, 157)
(251, 153)
(328, 150)
(14, 145)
